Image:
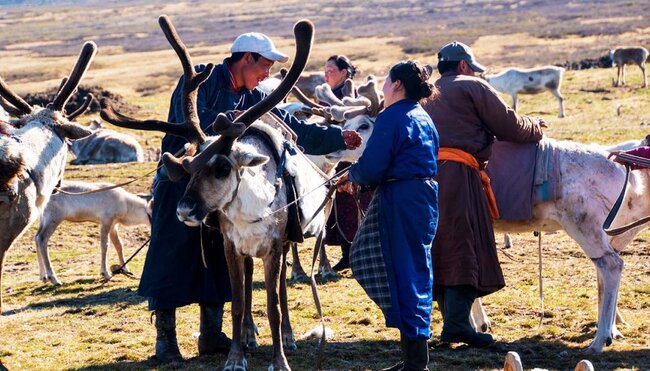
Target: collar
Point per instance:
(233, 84)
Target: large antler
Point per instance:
(86, 56)
(13, 103)
(190, 129)
(304, 34)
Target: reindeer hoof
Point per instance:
(299, 278)
(592, 350)
(617, 335)
(328, 275)
(289, 345)
(485, 327)
(54, 280)
(513, 362)
(236, 365)
(279, 367)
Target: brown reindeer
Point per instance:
(33, 153)
(622, 56)
(234, 176)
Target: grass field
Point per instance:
(83, 325)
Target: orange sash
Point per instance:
(457, 155)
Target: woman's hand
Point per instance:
(352, 139)
(345, 185)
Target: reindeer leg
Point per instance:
(119, 248)
(615, 333)
(249, 330)
(480, 320)
(645, 78)
(618, 76)
(609, 267)
(507, 241)
(297, 272)
(560, 99)
(325, 268)
(623, 73)
(272, 280)
(236, 357)
(45, 231)
(288, 340)
(619, 320)
(514, 102)
(103, 245)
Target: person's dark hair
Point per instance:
(445, 66)
(414, 78)
(235, 57)
(343, 63)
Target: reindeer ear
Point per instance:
(247, 159)
(72, 131)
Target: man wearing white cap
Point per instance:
(174, 274)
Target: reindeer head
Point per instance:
(53, 117)
(352, 113)
(212, 163)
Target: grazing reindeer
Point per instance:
(105, 146)
(109, 208)
(33, 153)
(516, 81)
(622, 56)
(234, 174)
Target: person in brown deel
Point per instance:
(469, 114)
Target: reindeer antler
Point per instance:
(88, 99)
(190, 129)
(13, 103)
(304, 34)
(68, 87)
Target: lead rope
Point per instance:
(627, 160)
(541, 285)
(314, 288)
(57, 189)
(205, 263)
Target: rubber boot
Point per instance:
(344, 263)
(212, 340)
(166, 345)
(456, 327)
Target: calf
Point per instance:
(515, 81)
(109, 209)
(622, 56)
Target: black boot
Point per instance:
(415, 354)
(344, 263)
(212, 340)
(166, 345)
(456, 309)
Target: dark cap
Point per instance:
(457, 51)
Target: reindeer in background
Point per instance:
(33, 153)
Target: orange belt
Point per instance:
(457, 155)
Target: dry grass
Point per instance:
(84, 326)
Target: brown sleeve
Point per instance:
(502, 120)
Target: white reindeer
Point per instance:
(105, 146)
(516, 81)
(109, 208)
(622, 56)
(234, 176)
(33, 154)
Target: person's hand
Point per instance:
(352, 139)
(345, 185)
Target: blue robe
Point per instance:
(173, 273)
(400, 160)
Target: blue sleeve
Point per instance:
(206, 114)
(314, 139)
(374, 164)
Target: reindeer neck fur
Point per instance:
(43, 152)
(245, 219)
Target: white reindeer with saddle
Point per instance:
(234, 175)
(33, 153)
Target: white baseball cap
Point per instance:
(255, 42)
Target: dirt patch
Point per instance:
(120, 104)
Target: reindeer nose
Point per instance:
(185, 209)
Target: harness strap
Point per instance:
(629, 161)
(457, 155)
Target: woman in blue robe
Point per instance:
(391, 253)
